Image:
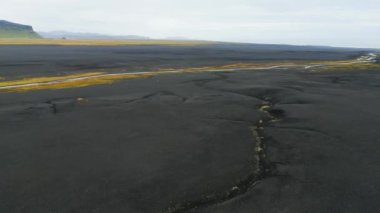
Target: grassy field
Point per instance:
(61, 84)
(62, 42)
(352, 67)
(47, 79)
(18, 34)
(97, 78)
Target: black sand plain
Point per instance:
(246, 141)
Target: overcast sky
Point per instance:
(353, 23)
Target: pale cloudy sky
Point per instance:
(320, 22)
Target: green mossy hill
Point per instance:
(13, 30)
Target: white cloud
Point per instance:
(323, 22)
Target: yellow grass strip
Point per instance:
(77, 83)
(347, 67)
(227, 67)
(91, 42)
(239, 66)
(97, 78)
(47, 79)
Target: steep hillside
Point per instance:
(13, 30)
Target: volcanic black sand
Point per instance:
(246, 141)
(50, 60)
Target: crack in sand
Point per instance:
(161, 93)
(53, 106)
(228, 120)
(305, 129)
(264, 168)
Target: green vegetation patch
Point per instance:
(353, 67)
(10, 33)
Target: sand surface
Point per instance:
(246, 141)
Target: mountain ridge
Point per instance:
(79, 35)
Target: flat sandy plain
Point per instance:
(285, 139)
